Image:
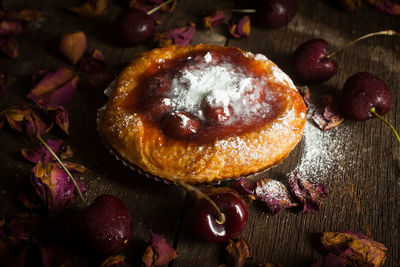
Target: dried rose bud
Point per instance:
(241, 28)
(387, 6)
(309, 195)
(237, 252)
(355, 249)
(214, 20)
(55, 89)
(91, 9)
(158, 253)
(328, 115)
(330, 260)
(73, 46)
(114, 261)
(179, 36)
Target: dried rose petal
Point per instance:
(179, 36)
(73, 46)
(350, 4)
(328, 115)
(274, 195)
(55, 256)
(387, 6)
(42, 154)
(75, 167)
(93, 62)
(310, 195)
(238, 252)
(25, 15)
(355, 249)
(241, 28)
(245, 187)
(29, 199)
(90, 9)
(270, 265)
(27, 121)
(305, 93)
(55, 89)
(61, 119)
(23, 226)
(3, 82)
(11, 27)
(114, 261)
(330, 260)
(9, 46)
(213, 21)
(53, 186)
(158, 253)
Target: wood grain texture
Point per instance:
(364, 191)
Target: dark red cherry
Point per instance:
(134, 27)
(216, 113)
(106, 225)
(157, 106)
(205, 217)
(363, 91)
(310, 61)
(179, 124)
(276, 13)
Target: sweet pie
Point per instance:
(202, 113)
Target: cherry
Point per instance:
(276, 13)
(135, 26)
(106, 225)
(215, 112)
(311, 62)
(179, 124)
(364, 95)
(157, 106)
(207, 221)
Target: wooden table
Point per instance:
(362, 175)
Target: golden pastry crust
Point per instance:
(144, 145)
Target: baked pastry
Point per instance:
(202, 113)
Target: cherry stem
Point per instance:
(387, 32)
(242, 10)
(373, 111)
(199, 194)
(65, 169)
(151, 11)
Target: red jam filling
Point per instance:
(205, 95)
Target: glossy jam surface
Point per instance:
(204, 95)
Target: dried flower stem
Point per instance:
(373, 111)
(65, 169)
(387, 32)
(197, 192)
(249, 11)
(158, 7)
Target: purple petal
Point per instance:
(179, 36)
(158, 253)
(61, 119)
(328, 115)
(309, 195)
(388, 6)
(355, 249)
(274, 195)
(41, 153)
(244, 186)
(241, 28)
(23, 226)
(11, 27)
(3, 82)
(53, 186)
(213, 21)
(93, 62)
(330, 260)
(55, 89)
(114, 261)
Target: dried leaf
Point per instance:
(90, 9)
(214, 20)
(309, 195)
(53, 186)
(55, 89)
(114, 261)
(9, 46)
(305, 93)
(328, 115)
(237, 252)
(158, 253)
(179, 36)
(355, 249)
(274, 195)
(330, 260)
(73, 46)
(3, 82)
(42, 154)
(93, 62)
(387, 6)
(241, 28)
(27, 120)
